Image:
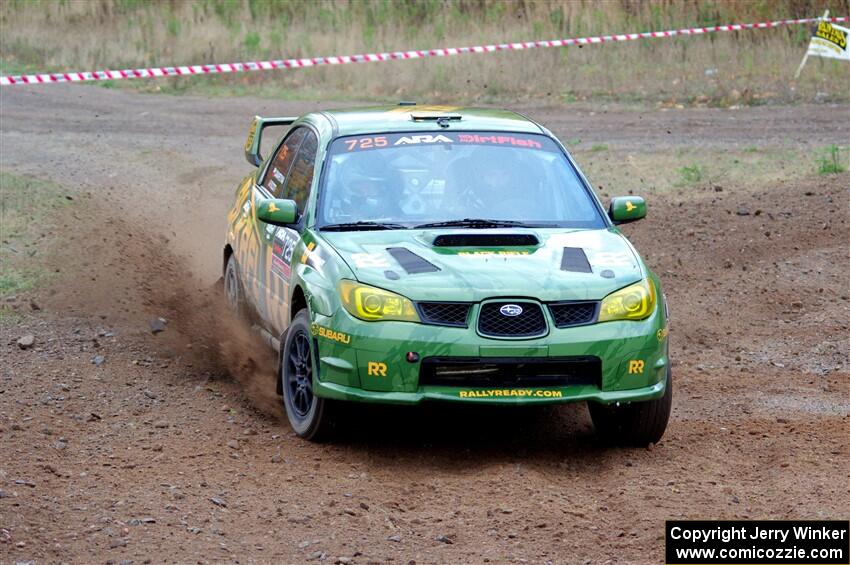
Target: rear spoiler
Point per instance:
(255, 135)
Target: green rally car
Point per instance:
(409, 253)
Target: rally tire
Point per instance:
(636, 424)
(234, 292)
(309, 415)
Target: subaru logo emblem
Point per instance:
(511, 310)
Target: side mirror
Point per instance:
(255, 136)
(277, 211)
(624, 209)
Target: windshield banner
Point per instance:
(371, 142)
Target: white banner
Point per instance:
(829, 40)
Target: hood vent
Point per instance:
(575, 260)
(412, 263)
(486, 240)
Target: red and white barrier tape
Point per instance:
(378, 57)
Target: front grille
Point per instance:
(529, 323)
(444, 313)
(568, 314)
(510, 371)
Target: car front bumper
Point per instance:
(368, 361)
(522, 395)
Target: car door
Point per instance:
(296, 187)
(257, 254)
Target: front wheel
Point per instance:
(309, 415)
(636, 424)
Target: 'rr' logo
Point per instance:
(636, 367)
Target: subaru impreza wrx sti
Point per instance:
(429, 253)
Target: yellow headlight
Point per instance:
(635, 302)
(373, 304)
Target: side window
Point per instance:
(301, 174)
(279, 167)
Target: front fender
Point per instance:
(316, 268)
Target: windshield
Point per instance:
(468, 179)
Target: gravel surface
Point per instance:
(138, 424)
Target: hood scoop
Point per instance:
(486, 240)
(412, 263)
(574, 259)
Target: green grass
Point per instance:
(252, 42)
(829, 161)
(25, 202)
(27, 205)
(15, 67)
(691, 174)
(751, 67)
(597, 147)
(220, 86)
(13, 281)
(692, 170)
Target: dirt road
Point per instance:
(119, 445)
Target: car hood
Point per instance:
(563, 265)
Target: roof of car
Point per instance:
(408, 117)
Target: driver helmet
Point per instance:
(366, 178)
(494, 176)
